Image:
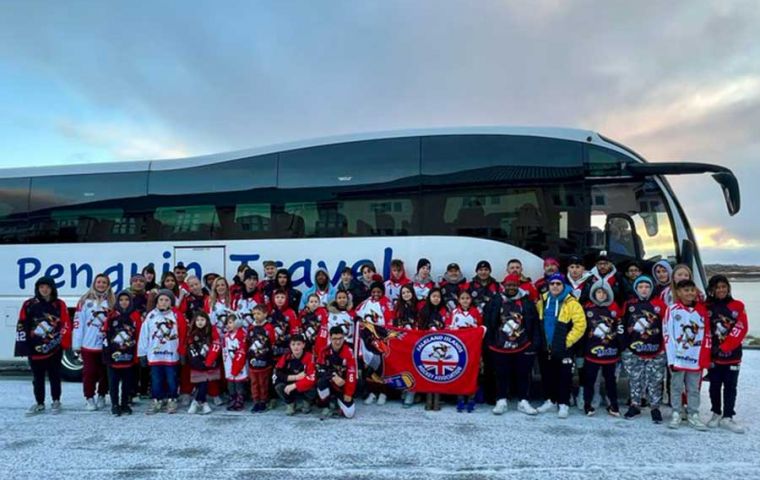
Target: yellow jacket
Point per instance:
(570, 327)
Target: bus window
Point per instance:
(194, 222)
(348, 164)
(236, 175)
(14, 206)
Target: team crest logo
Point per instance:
(440, 357)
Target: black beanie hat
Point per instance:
(483, 264)
(422, 262)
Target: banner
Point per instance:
(443, 361)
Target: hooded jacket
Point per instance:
(393, 286)
(658, 286)
(688, 341)
(162, 337)
(450, 289)
(642, 322)
(234, 352)
(604, 327)
(294, 296)
(121, 331)
(611, 278)
(422, 286)
(483, 293)
(325, 296)
(204, 351)
(580, 288)
(728, 324)
(563, 322)
(44, 327)
(516, 327)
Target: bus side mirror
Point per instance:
(730, 187)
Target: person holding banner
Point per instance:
(433, 316)
(376, 310)
(465, 315)
(336, 376)
(563, 323)
(513, 337)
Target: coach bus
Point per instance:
(449, 195)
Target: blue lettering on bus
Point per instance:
(167, 266)
(81, 275)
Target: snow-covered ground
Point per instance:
(381, 442)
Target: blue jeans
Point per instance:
(163, 381)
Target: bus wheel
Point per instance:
(71, 366)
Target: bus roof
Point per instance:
(172, 164)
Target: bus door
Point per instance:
(202, 260)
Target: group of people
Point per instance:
(187, 339)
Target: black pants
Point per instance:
(143, 387)
(556, 377)
(51, 366)
(512, 369)
(123, 376)
(590, 371)
(294, 395)
(727, 377)
(201, 392)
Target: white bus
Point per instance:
(450, 195)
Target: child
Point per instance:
(235, 368)
(662, 273)
(180, 272)
(322, 288)
(686, 332)
(149, 273)
(270, 270)
(284, 322)
(340, 313)
(644, 356)
(295, 376)
(348, 283)
(433, 316)
(512, 338)
(120, 335)
(283, 283)
(604, 331)
(398, 279)
(249, 297)
(43, 332)
(368, 277)
(168, 282)
(204, 349)
(195, 300)
(311, 320)
(632, 272)
(680, 272)
(422, 281)
(237, 281)
(88, 336)
(729, 326)
(465, 315)
(406, 314)
(161, 345)
(336, 376)
(260, 339)
(376, 310)
(452, 283)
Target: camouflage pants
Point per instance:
(645, 376)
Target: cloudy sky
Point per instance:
(103, 81)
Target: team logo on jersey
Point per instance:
(440, 357)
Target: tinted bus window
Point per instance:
(603, 162)
(348, 164)
(232, 176)
(87, 208)
(451, 154)
(14, 206)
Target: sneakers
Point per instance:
(408, 400)
(36, 408)
(564, 411)
(306, 406)
(656, 416)
(729, 424)
(381, 399)
(589, 410)
(101, 403)
(194, 406)
(290, 409)
(55, 408)
(675, 420)
(501, 406)
(547, 406)
(171, 406)
(326, 413)
(525, 407)
(206, 409)
(89, 405)
(155, 407)
(460, 406)
(714, 421)
(633, 412)
(126, 410)
(613, 411)
(371, 398)
(115, 411)
(696, 423)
